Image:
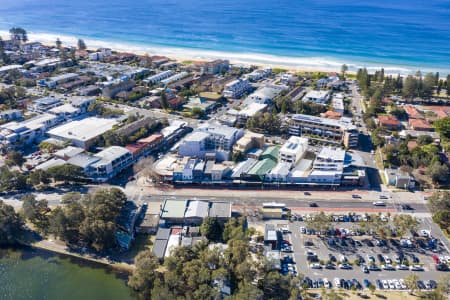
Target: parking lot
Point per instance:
(387, 262)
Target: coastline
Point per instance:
(293, 64)
(51, 246)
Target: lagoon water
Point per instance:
(38, 275)
(401, 35)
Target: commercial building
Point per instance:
(249, 111)
(319, 97)
(112, 161)
(337, 102)
(210, 138)
(146, 145)
(399, 179)
(19, 134)
(236, 88)
(42, 105)
(10, 115)
(82, 133)
(249, 141)
(112, 88)
(293, 150)
(324, 130)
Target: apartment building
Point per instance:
(293, 150)
(324, 130)
(236, 88)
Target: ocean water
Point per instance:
(402, 35)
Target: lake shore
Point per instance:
(60, 248)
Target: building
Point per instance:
(215, 67)
(293, 150)
(174, 78)
(150, 219)
(210, 138)
(154, 79)
(146, 145)
(199, 103)
(236, 88)
(42, 105)
(337, 102)
(412, 112)
(258, 74)
(65, 112)
(328, 166)
(420, 125)
(249, 140)
(112, 88)
(19, 134)
(249, 111)
(390, 122)
(272, 237)
(112, 161)
(10, 115)
(319, 97)
(280, 172)
(82, 133)
(331, 131)
(53, 82)
(399, 179)
(266, 94)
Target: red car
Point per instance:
(435, 259)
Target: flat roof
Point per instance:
(83, 160)
(83, 130)
(69, 151)
(162, 233)
(220, 209)
(197, 208)
(333, 154)
(51, 163)
(159, 248)
(173, 209)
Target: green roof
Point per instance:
(271, 152)
(262, 167)
(173, 209)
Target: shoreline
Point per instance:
(57, 249)
(290, 63)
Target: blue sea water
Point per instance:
(413, 34)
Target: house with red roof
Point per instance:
(412, 112)
(420, 125)
(390, 122)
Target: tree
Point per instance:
(58, 223)
(71, 197)
(145, 272)
(438, 172)
(18, 34)
(424, 140)
(3, 56)
(410, 87)
(411, 282)
(276, 286)
(164, 101)
(443, 127)
(404, 223)
(344, 69)
(36, 211)
(212, 229)
(11, 180)
(66, 173)
(10, 225)
(319, 222)
(81, 44)
(16, 158)
(58, 44)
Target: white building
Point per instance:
(249, 111)
(82, 133)
(10, 115)
(236, 88)
(328, 166)
(194, 144)
(52, 82)
(42, 105)
(112, 161)
(266, 94)
(154, 79)
(174, 78)
(293, 150)
(280, 172)
(259, 74)
(23, 133)
(319, 97)
(337, 102)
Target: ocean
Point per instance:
(401, 36)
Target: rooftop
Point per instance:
(197, 208)
(84, 129)
(334, 154)
(220, 209)
(173, 209)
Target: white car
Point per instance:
(370, 258)
(387, 260)
(402, 267)
(397, 284)
(315, 266)
(416, 268)
(385, 284)
(391, 284)
(402, 283)
(337, 282)
(379, 203)
(326, 283)
(388, 267)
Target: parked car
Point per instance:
(345, 267)
(388, 267)
(315, 266)
(366, 283)
(356, 196)
(416, 268)
(402, 267)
